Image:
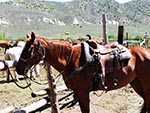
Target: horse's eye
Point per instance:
(31, 48)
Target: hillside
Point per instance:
(90, 11)
(25, 15)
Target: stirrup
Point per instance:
(115, 82)
(103, 80)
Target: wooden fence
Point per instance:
(36, 105)
(144, 42)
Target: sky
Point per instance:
(123, 1)
(120, 1)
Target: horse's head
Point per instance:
(32, 54)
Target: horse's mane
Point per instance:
(57, 41)
(60, 47)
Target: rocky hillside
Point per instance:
(37, 14)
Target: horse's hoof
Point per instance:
(37, 75)
(32, 78)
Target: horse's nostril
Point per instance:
(15, 63)
(18, 70)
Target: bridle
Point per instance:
(40, 52)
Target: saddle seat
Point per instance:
(106, 49)
(111, 45)
(106, 53)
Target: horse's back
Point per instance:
(5, 44)
(141, 52)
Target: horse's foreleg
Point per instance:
(144, 109)
(84, 101)
(37, 70)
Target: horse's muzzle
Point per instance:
(21, 71)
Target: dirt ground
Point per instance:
(123, 100)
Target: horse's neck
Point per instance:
(58, 56)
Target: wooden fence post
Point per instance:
(104, 21)
(120, 34)
(52, 90)
(127, 37)
(146, 40)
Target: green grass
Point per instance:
(3, 36)
(75, 32)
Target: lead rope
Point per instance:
(22, 87)
(9, 74)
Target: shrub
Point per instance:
(112, 37)
(3, 37)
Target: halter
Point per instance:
(40, 52)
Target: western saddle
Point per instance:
(108, 58)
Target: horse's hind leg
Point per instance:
(136, 85)
(147, 96)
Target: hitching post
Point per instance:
(52, 90)
(120, 34)
(104, 21)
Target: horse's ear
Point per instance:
(27, 35)
(32, 37)
(92, 43)
(89, 36)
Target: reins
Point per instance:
(78, 70)
(9, 74)
(27, 67)
(22, 87)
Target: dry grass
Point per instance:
(123, 100)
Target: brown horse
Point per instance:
(67, 58)
(5, 44)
